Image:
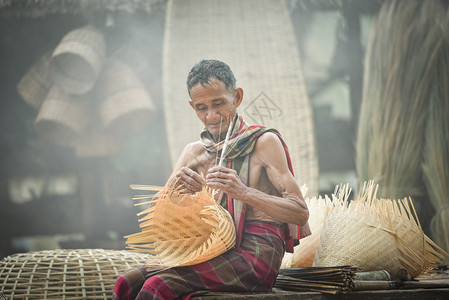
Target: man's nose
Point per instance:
(212, 114)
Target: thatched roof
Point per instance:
(367, 6)
(41, 8)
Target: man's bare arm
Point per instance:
(184, 176)
(289, 208)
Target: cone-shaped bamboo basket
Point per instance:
(304, 253)
(183, 229)
(62, 118)
(376, 234)
(77, 60)
(125, 105)
(36, 83)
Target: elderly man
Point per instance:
(257, 187)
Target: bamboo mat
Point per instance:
(256, 39)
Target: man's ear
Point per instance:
(238, 96)
(191, 104)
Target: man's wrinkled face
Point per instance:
(215, 106)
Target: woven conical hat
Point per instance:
(183, 229)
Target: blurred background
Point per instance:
(83, 113)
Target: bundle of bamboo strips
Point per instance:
(182, 229)
(376, 234)
(331, 280)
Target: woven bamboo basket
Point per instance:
(183, 229)
(125, 107)
(77, 60)
(65, 274)
(304, 253)
(261, 50)
(376, 234)
(62, 118)
(36, 83)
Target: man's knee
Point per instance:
(155, 286)
(128, 284)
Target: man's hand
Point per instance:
(189, 181)
(226, 180)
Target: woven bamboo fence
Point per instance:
(402, 138)
(257, 40)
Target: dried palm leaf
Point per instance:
(399, 75)
(436, 152)
(183, 229)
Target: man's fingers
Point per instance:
(192, 174)
(189, 182)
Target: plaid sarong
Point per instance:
(251, 267)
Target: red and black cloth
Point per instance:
(251, 267)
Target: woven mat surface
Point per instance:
(257, 40)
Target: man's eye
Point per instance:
(200, 108)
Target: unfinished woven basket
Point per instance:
(376, 234)
(36, 83)
(65, 274)
(183, 229)
(77, 60)
(62, 118)
(125, 105)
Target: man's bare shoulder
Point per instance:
(194, 148)
(268, 140)
(268, 147)
(190, 154)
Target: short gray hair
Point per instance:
(206, 70)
